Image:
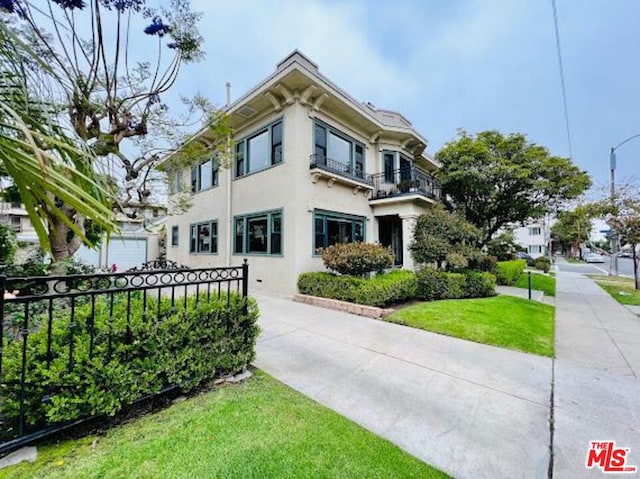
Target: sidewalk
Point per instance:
(472, 410)
(596, 375)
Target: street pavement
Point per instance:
(471, 410)
(625, 267)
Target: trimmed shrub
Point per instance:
(456, 262)
(8, 244)
(434, 285)
(542, 263)
(357, 259)
(479, 261)
(479, 284)
(508, 272)
(381, 290)
(132, 355)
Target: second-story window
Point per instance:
(534, 231)
(389, 162)
(260, 150)
(204, 176)
(338, 151)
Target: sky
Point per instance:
(446, 65)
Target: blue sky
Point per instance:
(472, 64)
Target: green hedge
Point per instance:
(508, 272)
(434, 284)
(183, 347)
(543, 264)
(380, 290)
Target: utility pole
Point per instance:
(613, 264)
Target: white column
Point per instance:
(408, 225)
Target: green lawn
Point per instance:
(259, 429)
(539, 282)
(615, 285)
(504, 321)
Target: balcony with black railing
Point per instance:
(339, 171)
(405, 182)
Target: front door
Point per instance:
(390, 235)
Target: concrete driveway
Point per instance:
(472, 410)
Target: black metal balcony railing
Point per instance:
(339, 168)
(405, 181)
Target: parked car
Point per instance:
(593, 258)
(625, 254)
(527, 257)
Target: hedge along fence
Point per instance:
(508, 272)
(102, 349)
(380, 290)
(434, 284)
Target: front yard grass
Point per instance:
(258, 429)
(539, 282)
(620, 288)
(504, 321)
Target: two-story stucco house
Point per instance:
(311, 167)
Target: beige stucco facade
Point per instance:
(304, 186)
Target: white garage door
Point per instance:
(126, 253)
(89, 256)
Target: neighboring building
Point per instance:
(14, 215)
(311, 167)
(535, 237)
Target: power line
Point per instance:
(564, 89)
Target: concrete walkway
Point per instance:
(597, 370)
(472, 410)
(520, 293)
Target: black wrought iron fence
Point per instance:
(49, 324)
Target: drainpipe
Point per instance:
(229, 187)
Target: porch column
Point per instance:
(408, 225)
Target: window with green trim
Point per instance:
(334, 148)
(204, 237)
(204, 175)
(332, 227)
(260, 150)
(259, 233)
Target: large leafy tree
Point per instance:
(573, 227)
(50, 172)
(496, 180)
(624, 220)
(116, 60)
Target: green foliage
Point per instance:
(543, 264)
(495, 179)
(381, 290)
(456, 262)
(479, 284)
(356, 259)
(508, 272)
(503, 246)
(574, 227)
(481, 262)
(8, 244)
(436, 285)
(133, 355)
(439, 233)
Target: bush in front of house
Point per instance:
(356, 259)
(479, 284)
(435, 285)
(380, 290)
(543, 264)
(132, 355)
(508, 272)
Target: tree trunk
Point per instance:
(636, 281)
(63, 248)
